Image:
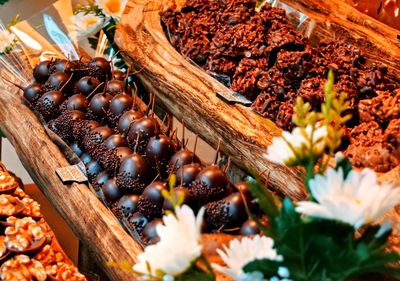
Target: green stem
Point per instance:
(208, 265)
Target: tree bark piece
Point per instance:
(91, 221)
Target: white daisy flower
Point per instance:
(112, 8)
(241, 252)
(166, 257)
(7, 39)
(287, 148)
(357, 200)
(86, 24)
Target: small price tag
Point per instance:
(233, 98)
(73, 173)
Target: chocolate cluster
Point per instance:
(271, 63)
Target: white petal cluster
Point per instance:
(357, 199)
(7, 39)
(178, 247)
(287, 148)
(86, 24)
(241, 252)
(112, 8)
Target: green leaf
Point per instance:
(267, 267)
(266, 201)
(346, 166)
(195, 274)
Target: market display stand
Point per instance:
(189, 93)
(97, 228)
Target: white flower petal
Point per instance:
(86, 24)
(241, 252)
(112, 8)
(6, 40)
(167, 256)
(357, 200)
(281, 152)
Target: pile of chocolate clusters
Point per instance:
(27, 251)
(272, 63)
(129, 155)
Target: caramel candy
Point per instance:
(7, 181)
(3, 249)
(22, 268)
(49, 256)
(20, 193)
(32, 208)
(9, 205)
(24, 232)
(63, 271)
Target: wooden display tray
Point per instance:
(100, 233)
(189, 93)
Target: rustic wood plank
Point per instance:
(189, 93)
(92, 222)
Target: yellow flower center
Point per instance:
(358, 201)
(90, 22)
(113, 6)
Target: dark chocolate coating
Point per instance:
(103, 133)
(118, 75)
(114, 141)
(211, 184)
(138, 221)
(42, 71)
(112, 159)
(66, 66)
(95, 137)
(78, 102)
(128, 204)
(134, 173)
(76, 149)
(127, 119)
(93, 168)
(49, 104)
(189, 173)
(151, 201)
(244, 188)
(81, 128)
(116, 87)
(33, 92)
(182, 157)
(228, 213)
(145, 128)
(237, 210)
(100, 179)
(249, 227)
(213, 176)
(111, 191)
(118, 105)
(86, 85)
(159, 152)
(86, 158)
(99, 104)
(150, 230)
(57, 80)
(99, 67)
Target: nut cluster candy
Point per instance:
(270, 62)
